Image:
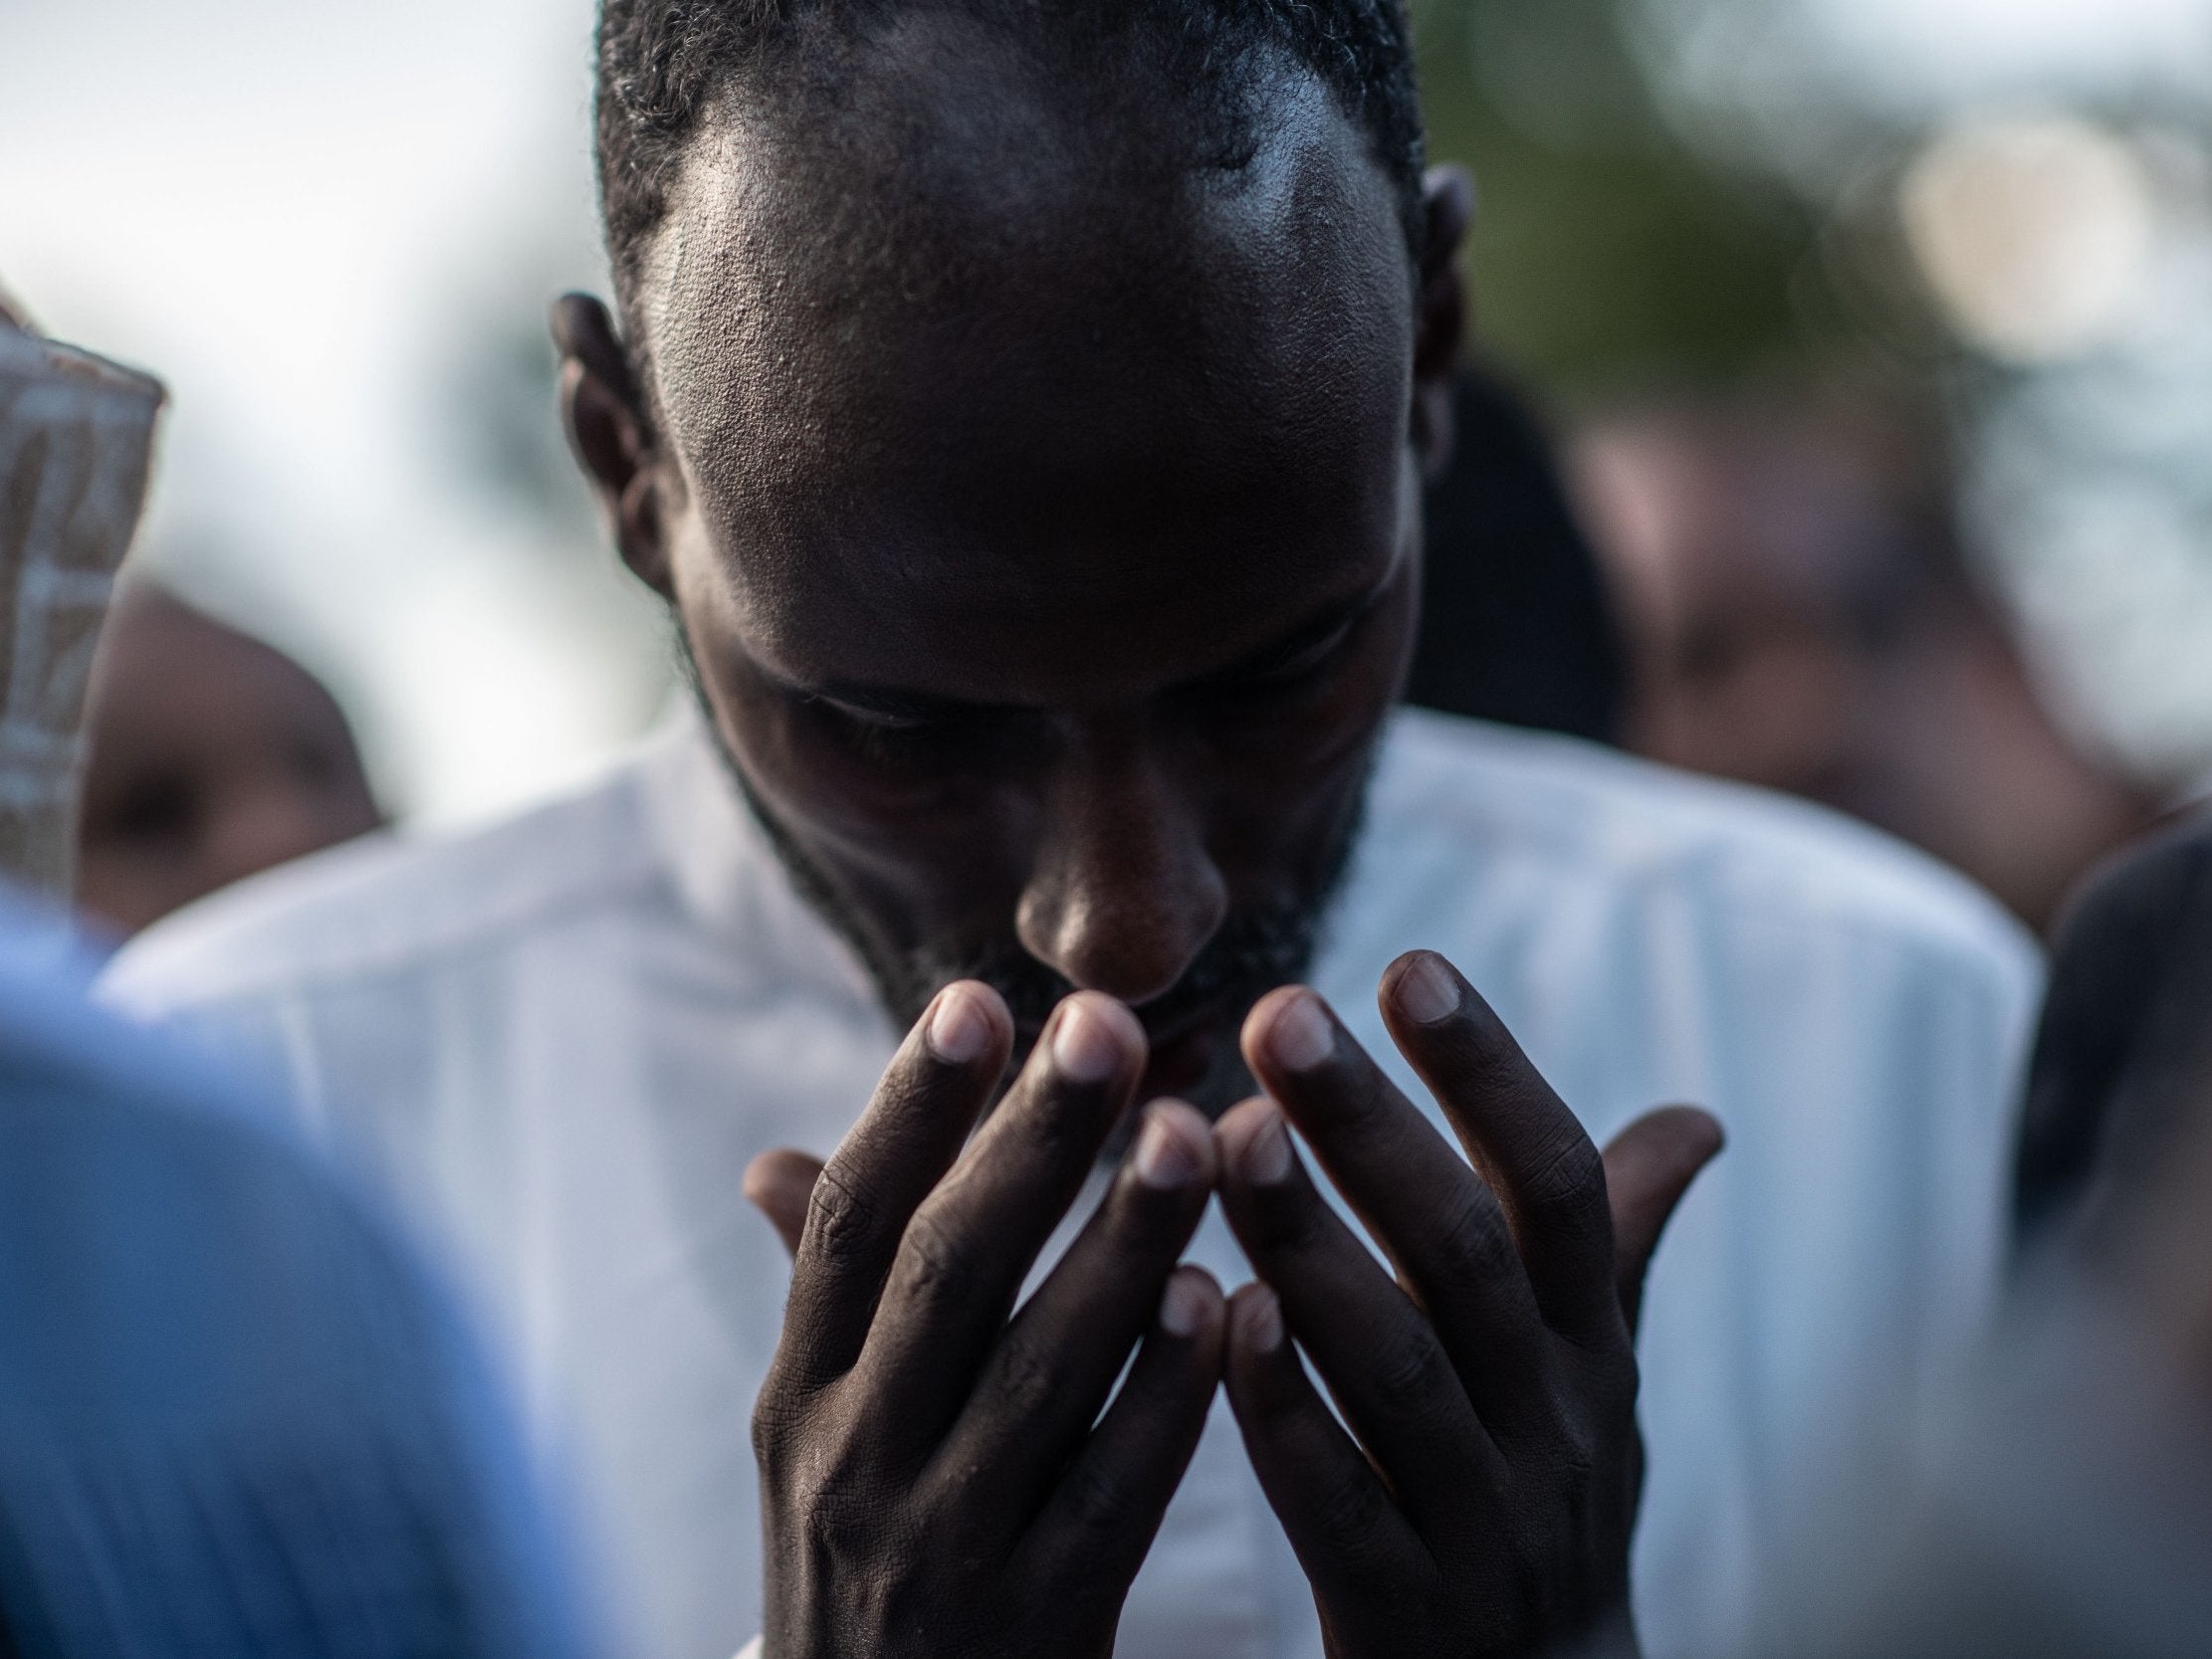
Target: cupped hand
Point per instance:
(1479, 1495)
(936, 1474)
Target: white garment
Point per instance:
(563, 1039)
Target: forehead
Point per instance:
(958, 383)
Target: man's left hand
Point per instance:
(1484, 1500)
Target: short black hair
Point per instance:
(663, 63)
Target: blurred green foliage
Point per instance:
(1606, 251)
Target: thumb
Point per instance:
(780, 1185)
(1647, 1167)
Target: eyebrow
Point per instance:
(1338, 616)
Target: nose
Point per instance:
(1122, 893)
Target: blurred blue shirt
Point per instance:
(236, 1416)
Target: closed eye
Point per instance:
(872, 719)
(924, 738)
(1290, 665)
(1297, 665)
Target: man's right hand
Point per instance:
(935, 1478)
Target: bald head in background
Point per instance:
(212, 757)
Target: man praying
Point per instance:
(1023, 409)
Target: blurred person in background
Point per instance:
(1516, 622)
(1801, 617)
(237, 1415)
(211, 757)
(1024, 413)
(2123, 1057)
(2060, 1507)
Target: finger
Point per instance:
(1043, 1385)
(1647, 1167)
(969, 1244)
(859, 1208)
(780, 1185)
(1105, 1509)
(1348, 1533)
(1436, 1218)
(1379, 1356)
(1528, 1145)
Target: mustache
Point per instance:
(1253, 952)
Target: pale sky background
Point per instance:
(1931, 52)
(323, 224)
(293, 214)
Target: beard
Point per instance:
(1256, 947)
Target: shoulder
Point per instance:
(394, 904)
(2126, 933)
(100, 1113)
(1554, 817)
(2130, 980)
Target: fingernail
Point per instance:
(1259, 1320)
(1301, 1036)
(959, 1030)
(1085, 1048)
(1182, 1304)
(1164, 1158)
(1427, 992)
(1266, 1159)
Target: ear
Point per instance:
(1439, 310)
(611, 436)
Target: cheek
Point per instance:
(1286, 746)
(1283, 795)
(920, 854)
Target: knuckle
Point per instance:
(776, 1425)
(840, 1481)
(934, 1267)
(1096, 1503)
(1354, 1513)
(1593, 1418)
(1619, 1382)
(1411, 1367)
(842, 1521)
(842, 1217)
(1024, 1380)
(1476, 1250)
(1567, 1183)
(823, 1481)
(1577, 1448)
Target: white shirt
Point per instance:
(563, 1039)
